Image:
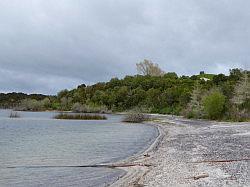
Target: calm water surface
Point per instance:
(36, 150)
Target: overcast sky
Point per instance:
(48, 45)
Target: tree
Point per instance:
(235, 74)
(217, 79)
(241, 97)
(153, 98)
(78, 107)
(66, 103)
(214, 105)
(79, 95)
(242, 90)
(171, 75)
(149, 68)
(121, 97)
(82, 86)
(46, 103)
(194, 109)
(62, 93)
(30, 105)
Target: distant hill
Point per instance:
(166, 94)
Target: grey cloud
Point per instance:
(61, 43)
(33, 83)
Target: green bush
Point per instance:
(190, 115)
(166, 110)
(214, 105)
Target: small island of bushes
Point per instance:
(80, 116)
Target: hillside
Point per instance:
(166, 94)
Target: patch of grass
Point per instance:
(14, 115)
(80, 117)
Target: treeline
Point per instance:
(198, 96)
(224, 97)
(13, 100)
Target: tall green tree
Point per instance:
(214, 105)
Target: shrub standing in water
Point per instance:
(14, 115)
(135, 117)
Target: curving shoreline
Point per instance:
(134, 166)
(193, 153)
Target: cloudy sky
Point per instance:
(48, 45)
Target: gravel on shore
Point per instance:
(193, 153)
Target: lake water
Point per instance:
(36, 150)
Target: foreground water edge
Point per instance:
(37, 140)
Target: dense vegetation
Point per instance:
(225, 97)
(11, 100)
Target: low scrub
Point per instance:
(80, 117)
(80, 108)
(135, 118)
(14, 115)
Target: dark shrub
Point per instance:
(135, 117)
(14, 115)
(80, 117)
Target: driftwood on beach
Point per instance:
(221, 161)
(87, 166)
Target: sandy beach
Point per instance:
(192, 153)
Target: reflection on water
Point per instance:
(37, 140)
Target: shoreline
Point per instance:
(133, 166)
(125, 113)
(193, 153)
